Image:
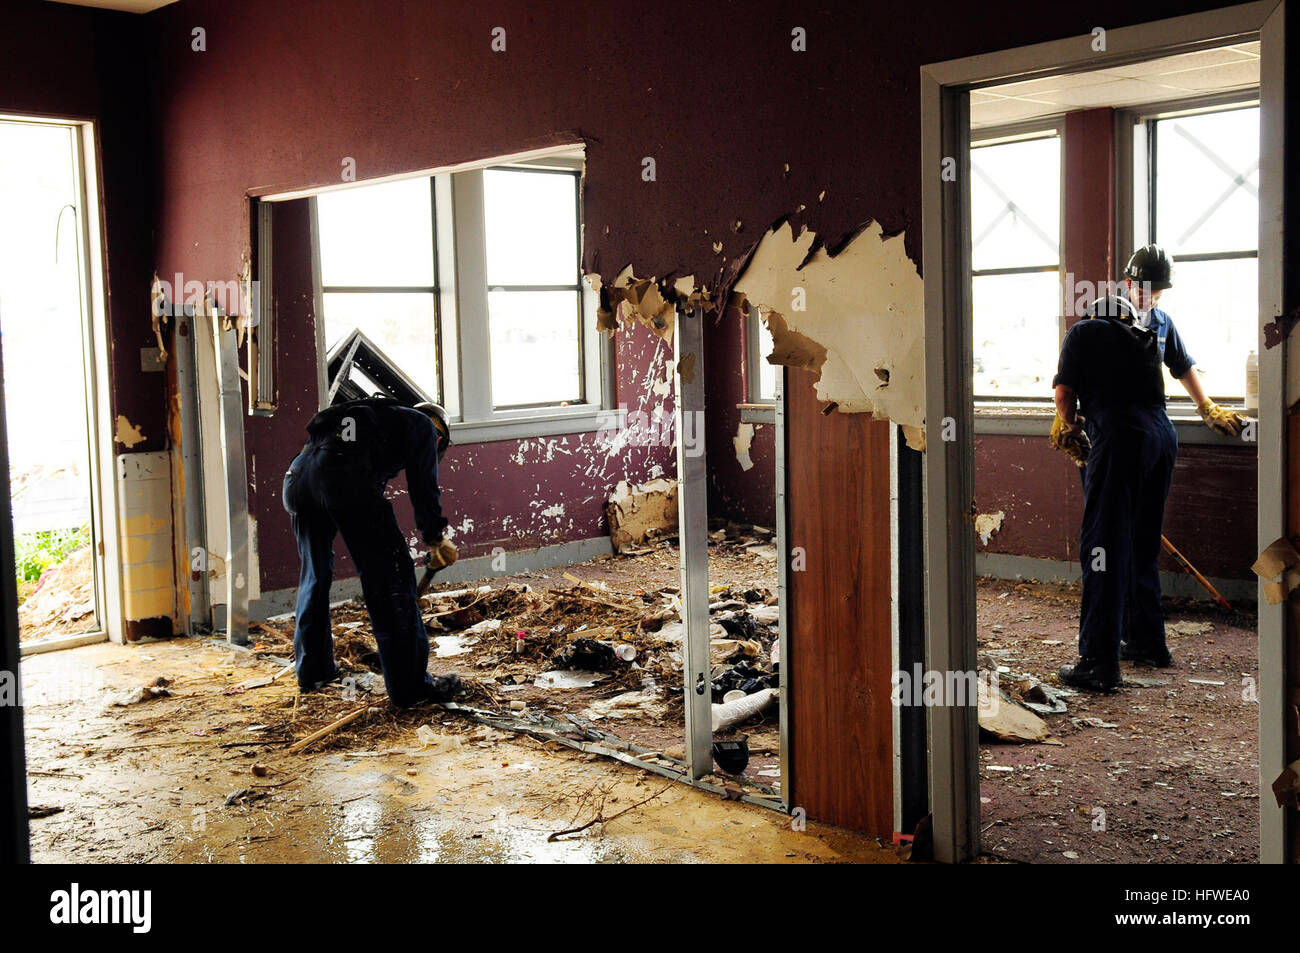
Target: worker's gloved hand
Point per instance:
(442, 554)
(1071, 440)
(1221, 419)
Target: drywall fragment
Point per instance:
(128, 434)
(742, 441)
(790, 347)
(1278, 566)
(637, 514)
(914, 437)
(1286, 787)
(686, 368)
(642, 301)
(864, 308)
(986, 524)
(1002, 718)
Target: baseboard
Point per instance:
(1176, 584)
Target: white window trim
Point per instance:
(1011, 132)
(1131, 125)
(754, 360)
(460, 238)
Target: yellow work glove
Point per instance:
(1221, 419)
(443, 554)
(1070, 440)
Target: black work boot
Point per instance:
(1091, 675)
(1155, 656)
(442, 688)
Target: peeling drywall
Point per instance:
(856, 318)
(629, 299)
(742, 441)
(986, 524)
(128, 434)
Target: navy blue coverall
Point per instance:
(336, 485)
(1114, 369)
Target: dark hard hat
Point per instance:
(1151, 265)
(1112, 306)
(440, 422)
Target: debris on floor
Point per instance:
(606, 649)
(1006, 720)
(1163, 770)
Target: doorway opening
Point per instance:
(49, 380)
(1059, 249)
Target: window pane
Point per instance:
(1016, 204)
(532, 227)
(377, 235)
(1016, 318)
(535, 353)
(1215, 306)
(1207, 182)
(766, 371)
(400, 325)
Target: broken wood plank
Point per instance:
(300, 746)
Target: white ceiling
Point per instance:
(130, 6)
(1172, 77)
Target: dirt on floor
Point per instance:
(172, 752)
(596, 645)
(1163, 771)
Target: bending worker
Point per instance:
(336, 485)
(1110, 371)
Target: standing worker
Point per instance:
(1110, 372)
(336, 485)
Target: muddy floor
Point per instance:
(178, 752)
(204, 774)
(1163, 771)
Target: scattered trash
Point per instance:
(587, 654)
(1091, 722)
(628, 704)
(731, 756)
(733, 713)
(1006, 720)
(447, 646)
(1204, 681)
(562, 678)
(155, 689)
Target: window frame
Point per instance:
(461, 312)
(434, 290)
(1127, 223)
(1040, 128)
(754, 360)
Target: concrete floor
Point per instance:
(172, 779)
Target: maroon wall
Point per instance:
(78, 63)
(503, 493)
(1210, 516)
(1088, 239)
(747, 496)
